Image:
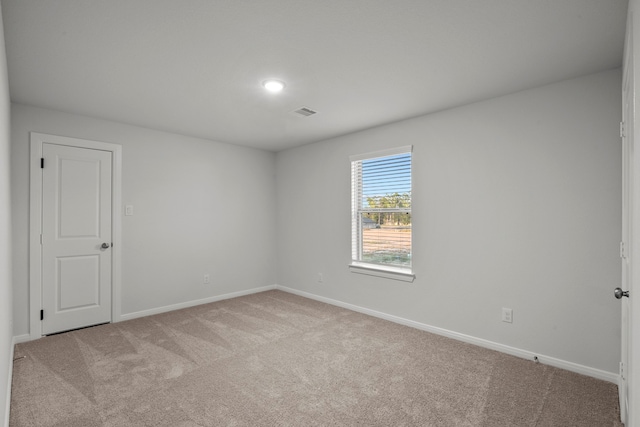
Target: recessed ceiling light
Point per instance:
(273, 85)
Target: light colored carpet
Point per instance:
(276, 359)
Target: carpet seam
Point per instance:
(545, 398)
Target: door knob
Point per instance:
(105, 246)
(619, 293)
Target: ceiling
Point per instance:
(195, 67)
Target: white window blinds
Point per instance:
(381, 208)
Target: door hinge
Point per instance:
(622, 254)
(622, 130)
(41, 162)
(41, 314)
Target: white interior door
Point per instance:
(628, 386)
(76, 237)
(627, 246)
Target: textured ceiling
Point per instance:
(195, 67)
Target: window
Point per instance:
(381, 213)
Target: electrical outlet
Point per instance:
(507, 315)
(320, 278)
(207, 279)
(128, 210)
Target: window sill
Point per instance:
(394, 273)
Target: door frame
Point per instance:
(35, 223)
(628, 244)
(632, 53)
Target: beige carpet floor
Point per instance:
(276, 359)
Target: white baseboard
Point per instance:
(193, 303)
(21, 338)
(548, 360)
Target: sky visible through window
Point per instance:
(385, 176)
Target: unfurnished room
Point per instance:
(319, 213)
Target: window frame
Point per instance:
(388, 271)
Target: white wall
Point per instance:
(200, 207)
(516, 203)
(6, 326)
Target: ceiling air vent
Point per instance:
(305, 111)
